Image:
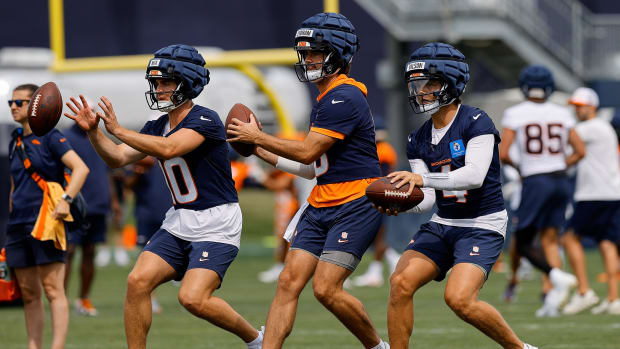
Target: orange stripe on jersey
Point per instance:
(327, 132)
(386, 154)
(343, 79)
(335, 194)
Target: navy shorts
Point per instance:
(183, 255)
(350, 228)
(146, 229)
(544, 199)
(93, 235)
(22, 250)
(448, 245)
(599, 220)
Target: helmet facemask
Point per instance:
(177, 97)
(313, 72)
(427, 93)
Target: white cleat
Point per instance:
(392, 257)
(258, 342)
(271, 275)
(579, 303)
(368, 280)
(121, 257)
(551, 305)
(562, 283)
(607, 307)
(528, 346)
(103, 257)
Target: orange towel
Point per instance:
(46, 227)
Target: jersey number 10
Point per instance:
(180, 180)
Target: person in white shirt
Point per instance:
(597, 205)
(542, 132)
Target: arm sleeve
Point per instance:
(418, 166)
(296, 168)
(471, 176)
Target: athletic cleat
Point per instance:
(155, 306)
(607, 307)
(528, 346)
(579, 303)
(258, 342)
(510, 294)
(103, 257)
(83, 306)
(368, 280)
(271, 275)
(392, 257)
(121, 257)
(614, 307)
(562, 283)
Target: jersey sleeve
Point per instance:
(58, 144)
(412, 150)
(337, 117)
(208, 124)
(508, 121)
(480, 124)
(148, 128)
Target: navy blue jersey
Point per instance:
(202, 178)
(449, 155)
(45, 154)
(342, 112)
(96, 189)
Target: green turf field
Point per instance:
(436, 326)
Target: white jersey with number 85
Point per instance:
(541, 135)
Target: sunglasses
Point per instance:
(19, 102)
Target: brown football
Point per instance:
(45, 109)
(241, 112)
(383, 193)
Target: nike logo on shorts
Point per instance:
(336, 102)
(203, 259)
(342, 241)
(474, 254)
(477, 116)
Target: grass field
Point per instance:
(435, 326)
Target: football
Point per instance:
(45, 109)
(241, 112)
(385, 194)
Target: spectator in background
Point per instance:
(597, 205)
(96, 192)
(153, 200)
(387, 160)
(40, 264)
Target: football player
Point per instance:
(454, 158)
(339, 223)
(199, 238)
(542, 132)
(597, 205)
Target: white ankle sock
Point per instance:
(381, 345)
